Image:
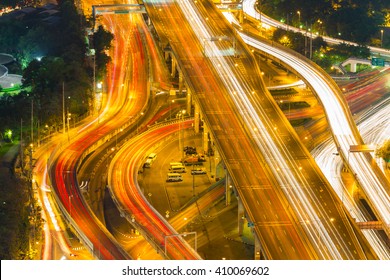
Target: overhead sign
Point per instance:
(377, 61)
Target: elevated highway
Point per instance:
(295, 213)
(344, 130)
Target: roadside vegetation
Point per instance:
(360, 21)
(56, 61)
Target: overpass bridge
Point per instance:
(267, 183)
(269, 198)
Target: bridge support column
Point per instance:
(353, 67)
(217, 159)
(241, 16)
(228, 188)
(174, 69)
(189, 102)
(166, 56)
(240, 217)
(181, 80)
(197, 119)
(205, 139)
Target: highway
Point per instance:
(319, 229)
(279, 233)
(249, 9)
(123, 185)
(127, 95)
(342, 125)
(374, 126)
(316, 227)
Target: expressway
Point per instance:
(123, 185)
(240, 137)
(374, 126)
(343, 127)
(127, 88)
(250, 9)
(276, 222)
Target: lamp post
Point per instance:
(116, 137)
(70, 205)
(299, 18)
(193, 180)
(141, 114)
(170, 109)
(181, 119)
(381, 38)
(289, 107)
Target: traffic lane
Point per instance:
(212, 91)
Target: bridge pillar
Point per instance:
(189, 101)
(197, 119)
(166, 56)
(228, 188)
(181, 80)
(240, 216)
(353, 67)
(205, 138)
(173, 70)
(241, 16)
(217, 159)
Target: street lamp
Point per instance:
(170, 109)
(70, 205)
(289, 107)
(181, 118)
(116, 137)
(141, 114)
(299, 18)
(381, 38)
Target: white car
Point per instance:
(198, 171)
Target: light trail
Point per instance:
(250, 9)
(374, 125)
(320, 230)
(339, 119)
(123, 185)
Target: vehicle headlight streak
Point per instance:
(249, 8)
(375, 190)
(314, 225)
(374, 125)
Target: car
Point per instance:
(189, 150)
(174, 177)
(198, 171)
(191, 160)
(152, 156)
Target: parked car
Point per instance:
(192, 160)
(189, 150)
(198, 171)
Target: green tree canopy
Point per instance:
(384, 151)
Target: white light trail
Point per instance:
(291, 179)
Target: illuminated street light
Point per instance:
(170, 109)
(381, 38)
(140, 115)
(181, 119)
(70, 205)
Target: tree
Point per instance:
(101, 41)
(384, 151)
